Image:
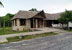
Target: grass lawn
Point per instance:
(8, 30)
(70, 30)
(17, 38)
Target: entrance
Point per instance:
(36, 23)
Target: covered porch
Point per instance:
(37, 23)
(20, 24)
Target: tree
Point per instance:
(7, 20)
(1, 4)
(4, 20)
(65, 17)
(0, 21)
(33, 9)
(10, 15)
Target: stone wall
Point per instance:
(28, 24)
(21, 28)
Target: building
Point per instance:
(33, 19)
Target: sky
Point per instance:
(49, 6)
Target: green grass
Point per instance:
(8, 30)
(13, 39)
(70, 30)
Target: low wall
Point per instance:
(59, 25)
(18, 28)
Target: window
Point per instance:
(22, 22)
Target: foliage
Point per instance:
(1, 4)
(1, 19)
(33, 9)
(7, 19)
(65, 17)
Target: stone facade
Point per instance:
(21, 28)
(28, 25)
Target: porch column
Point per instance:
(43, 23)
(28, 24)
(14, 23)
(18, 25)
(18, 22)
(33, 22)
(36, 23)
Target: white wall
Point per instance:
(59, 25)
(56, 25)
(70, 24)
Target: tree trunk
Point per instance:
(4, 25)
(67, 26)
(0, 24)
(8, 25)
(62, 25)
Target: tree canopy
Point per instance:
(33, 9)
(1, 4)
(6, 20)
(65, 17)
(8, 17)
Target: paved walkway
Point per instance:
(43, 30)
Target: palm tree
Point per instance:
(1, 4)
